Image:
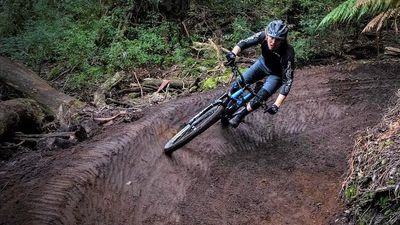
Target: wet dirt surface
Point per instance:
(281, 169)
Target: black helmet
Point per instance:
(277, 29)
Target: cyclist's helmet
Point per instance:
(277, 29)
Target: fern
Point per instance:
(378, 21)
(345, 12)
(379, 5)
(351, 10)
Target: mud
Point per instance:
(281, 169)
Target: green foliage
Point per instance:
(149, 47)
(209, 83)
(212, 82)
(240, 30)
(383, 202)
(85, 37)
(13, 14)
(302, 46)
(378, 6)
(89, 78)
(36, 44)
(350, 192)
(354, 10)
(345, 12)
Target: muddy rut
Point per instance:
(281, 169)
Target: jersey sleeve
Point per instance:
(257, 38)
(288, 74)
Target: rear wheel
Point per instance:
(196, 127)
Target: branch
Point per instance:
(99, 95)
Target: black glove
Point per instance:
(230, 57)
(273, 109)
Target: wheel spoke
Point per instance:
(196, 127)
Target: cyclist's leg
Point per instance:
(256, 72)
(271, 85)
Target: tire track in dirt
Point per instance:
(282, 169)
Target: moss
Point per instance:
(209, 83)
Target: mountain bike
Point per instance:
(223, 108)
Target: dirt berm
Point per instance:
(281, 169)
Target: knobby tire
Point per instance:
(190, 131)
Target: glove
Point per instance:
(273, 109)
(230, 57)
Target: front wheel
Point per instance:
(196, 126)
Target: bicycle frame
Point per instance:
(240, 97)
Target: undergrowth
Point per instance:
(372, 187)
(84, 42)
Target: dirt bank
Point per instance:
(282, 169)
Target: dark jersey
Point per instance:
(280, 61)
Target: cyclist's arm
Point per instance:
(248, 42)
(236, 50)
(288, 74)
(287, 79)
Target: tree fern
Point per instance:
(351, 10)
(377, 22)
(379, 4)
(344, 13)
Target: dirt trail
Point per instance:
(282, 169)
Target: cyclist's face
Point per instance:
(273, 43)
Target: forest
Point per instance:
(71, 71)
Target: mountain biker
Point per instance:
(275, 66)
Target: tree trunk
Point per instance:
(22, 114)
(31, 85)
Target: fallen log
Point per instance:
(177, 84)
(22, 114)
(136, 88)
(156, 85)
(31, 85)
(392, 51)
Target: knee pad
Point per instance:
(258, 86)
(261, 96)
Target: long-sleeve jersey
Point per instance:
(280, 61)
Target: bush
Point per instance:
(117, 35)
(302, 47)
(240, 30)
(37, 43)
(371, 188)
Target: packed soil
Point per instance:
(281, 169)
